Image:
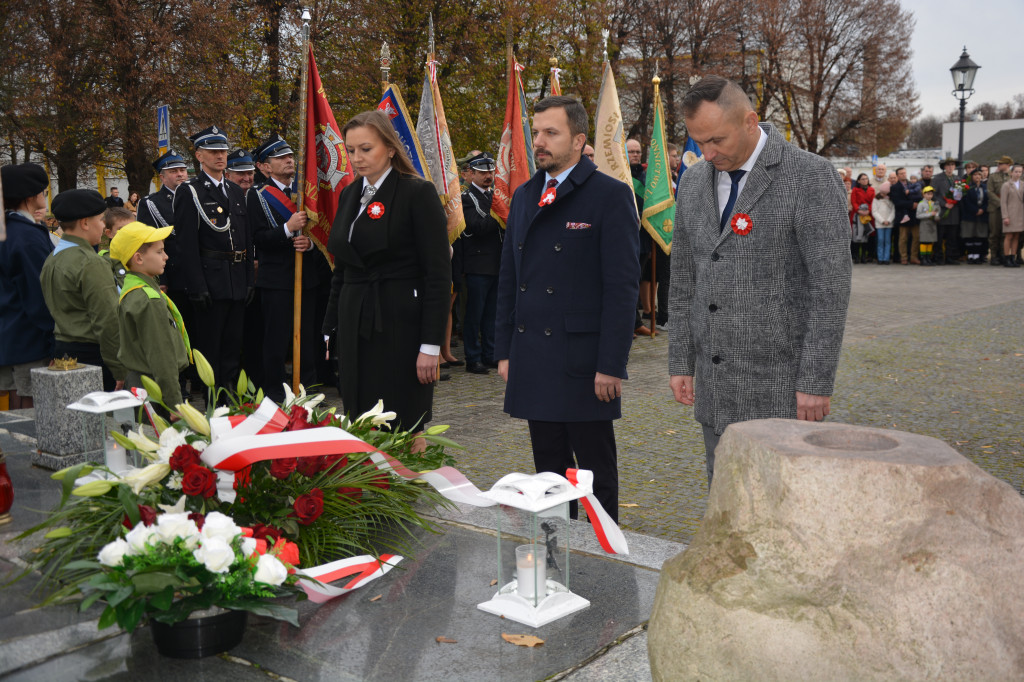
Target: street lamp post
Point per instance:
(963, 72)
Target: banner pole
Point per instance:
(300, 184)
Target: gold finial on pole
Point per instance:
(385, 65)
(430, 41)
(656, 80)
(604, 39)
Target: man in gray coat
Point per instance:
(761, 271)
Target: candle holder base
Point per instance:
(557, 603)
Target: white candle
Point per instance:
(531, 572)
(117, 458)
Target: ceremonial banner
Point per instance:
(659, 204)
(436, 143)
(609, 136)
(327, 167)
(392, 104)
(515, 154)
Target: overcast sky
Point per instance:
(992, 30)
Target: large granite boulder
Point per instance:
(835, 552)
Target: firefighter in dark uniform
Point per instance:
(241, 171)
(277, 228)
(213, 256)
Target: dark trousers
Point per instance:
(950, 236)
(218, 333)
(663, 267)
(86, 354)
(478, 327)
(593, 444)
(710, 443)
(278, 324)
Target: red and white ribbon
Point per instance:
(147, 406)
(364, 568)
(608, 532)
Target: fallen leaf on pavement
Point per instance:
(445, 640)
(629, 505)
(522, 640)
(377, 597)
(494, 582)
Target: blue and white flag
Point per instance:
(392, 104)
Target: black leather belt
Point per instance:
(233, 256)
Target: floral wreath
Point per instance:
(742, 224)
(375, 210)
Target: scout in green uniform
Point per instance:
(79, 287)
(113, 220)
(153, 337)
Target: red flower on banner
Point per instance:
(742, 224)
(375, 210)
(309, 507)
(282, 467)
(183, 457)
(199, 481)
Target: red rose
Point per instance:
(286, 552)
(243, 478)
(352, 495)
(198, 480)
(328, 420)
(264, 532)
(282, 468)
(335, 463)
(309, 507)
(310, 466)
(198, 518)
(147, 515)
(297, 420)
(183, 457)
(380, 480)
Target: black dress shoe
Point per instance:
(477, 368)
(445, 376)
(453, 363)
(491, 364)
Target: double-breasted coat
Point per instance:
(756, 317)
(389, 294)
(567, 293)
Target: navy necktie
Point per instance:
(735, 176)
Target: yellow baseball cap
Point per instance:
(133, 235)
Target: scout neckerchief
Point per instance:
(133, 282)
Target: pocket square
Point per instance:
(578, 226)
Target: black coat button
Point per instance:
(522, 287)
(714, 358)
(551, 290)
(547, 332)
(712, 307)
(714, 256)
(521, 328)
(558, 247)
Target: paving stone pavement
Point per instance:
(936, 351)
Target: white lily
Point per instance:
(142, 442)
(377, 415)
(140, 478)
(176, 508)
(195, 419)
(221, 411)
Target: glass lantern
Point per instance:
(94, 408)
(533, 548)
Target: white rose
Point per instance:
(170, 527)
(215, 554)
(220, 526)
(248, 546)
(270, 570)
(138, 537)
(113, 553)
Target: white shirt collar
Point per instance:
(380, 180)
(561, 176)
(283, 188)
(761, 140)
(216, 183)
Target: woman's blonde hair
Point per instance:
(381, 124)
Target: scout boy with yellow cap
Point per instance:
(79, 287)
(153, 337)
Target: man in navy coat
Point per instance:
(567, 293)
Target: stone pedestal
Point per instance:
(66, 437)
(837, 552)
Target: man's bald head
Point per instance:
(727, 94)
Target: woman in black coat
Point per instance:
(392, 277)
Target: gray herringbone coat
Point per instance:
(756, 317)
